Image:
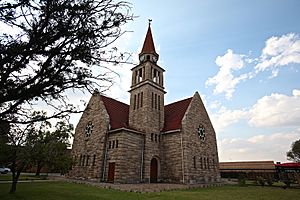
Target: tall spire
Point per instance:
(148, 46)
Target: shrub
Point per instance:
(260, 180)
(242, 180)
(270, 181)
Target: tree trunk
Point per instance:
(38, 169)
(13, 187)
(15, 177)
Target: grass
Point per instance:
(8, 177)
(70, 191)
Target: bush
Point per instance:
(270, 181)
(242, 180)
(287, 183)
(260, 181)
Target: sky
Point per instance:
(243, 57)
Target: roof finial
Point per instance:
(150, 20)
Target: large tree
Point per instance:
(49, 47)
(294, 153)
(48, 148)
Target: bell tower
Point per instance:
(146, 111)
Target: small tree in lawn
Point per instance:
(15, 149)
(34, 145)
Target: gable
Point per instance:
(118, 112)
(174, 113)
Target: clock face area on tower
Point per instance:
(148, 57)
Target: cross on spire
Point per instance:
(150, 20)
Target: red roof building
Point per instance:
(146, 140)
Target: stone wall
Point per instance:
(201, 163)
(152, 150)
(88, 152)
(171, 151)
(147, 118)
(127, 156)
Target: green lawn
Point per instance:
(7, 177)
(70, 191)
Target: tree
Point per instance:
(294, 153)
(51, 48)
(34, 145)
(14, 152)
(49, 148)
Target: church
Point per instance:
(145, 141)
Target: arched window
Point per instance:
(194, 161)
(94, 159)
(134, 102)
(141, 99)
(207, 163)
(201, 163)
(83, 160)
(87, 160)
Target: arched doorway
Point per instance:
(153, 170)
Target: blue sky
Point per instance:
(243, 57)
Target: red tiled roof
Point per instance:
(118, 112)
(288, 165)
(174, 113)
(148, 46)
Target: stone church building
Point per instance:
(145, 141)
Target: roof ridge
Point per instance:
(102, 95)
(179, 101)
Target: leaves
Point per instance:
(294, 153)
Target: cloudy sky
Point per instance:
(243, 57)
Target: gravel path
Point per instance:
(141, 187)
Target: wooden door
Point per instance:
(111, 172)
(153, 170)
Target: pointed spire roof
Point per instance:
(148, 46)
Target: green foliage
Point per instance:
(270, 181)
(294, 153)
(48, 148)
(242, 180)
(260, 181)
(69, 191)
(287, 182)
(35, 144)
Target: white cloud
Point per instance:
(224, 81)
(279, 52)
(258, 147)
(225, 117)
(276, 110)
(122, 82)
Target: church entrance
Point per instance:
(153, 170)
(111, 172)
